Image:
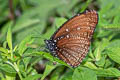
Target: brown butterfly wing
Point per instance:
(74, 37)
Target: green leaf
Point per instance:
(15, 48)
(51, 58)
(33, 77)
(67, 75)
(97, 53)
(101, 62)
(49, 33)
(47, 71)
(27, 24)
(114, 54)
(46, 55)
(85, 5)
(64, 9)
(26, 61)
(9, 38)
(56, 73)
(113, 51)
(91, 55)
(29, 60)
(24, 44)
(8, 77)
(59, 21)
(108, 63)
(90, 65)
(7, 68)
(116, 19)
(105, 42)
(3, 50)
(110, 72)
(81, 73)
(5, 44)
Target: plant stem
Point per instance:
(12, 16)
(11, 54)
(17, 69)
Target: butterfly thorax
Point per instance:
(51, 46)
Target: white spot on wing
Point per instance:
(55, 41)
(66, 30)
(78, 28)
(67, 36)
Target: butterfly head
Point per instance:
(50, 45)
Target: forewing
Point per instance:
(87, 20)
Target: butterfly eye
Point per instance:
(71, 41)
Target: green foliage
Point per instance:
(8, 69)
(84, 74)
(109, 72)
(48, 69)
(24, 28)
(113, 51)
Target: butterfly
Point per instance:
(71, 41)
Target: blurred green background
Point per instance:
(41, 18)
